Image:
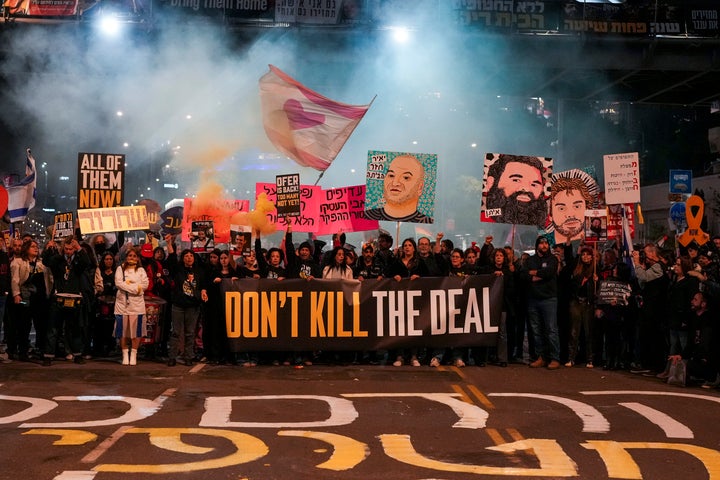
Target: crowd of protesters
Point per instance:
(564, 305)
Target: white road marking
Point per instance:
(671, 427)
(76, 475)
(471, 416)
(105, 445)
(653, 392)
(593, 420)
(218, 410)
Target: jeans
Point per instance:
(184, 325)
(542, 316)
(581, 319)
(66, 325)
(678, 341)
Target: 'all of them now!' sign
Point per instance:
(101, 179)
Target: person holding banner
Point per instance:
(458, 268)
(407, 264)
(434, 260)
(272, 266)
(501, 270)
(215, 340)
(302, 264)
(337, 267)
(189, 291)
(131, 281)
(368, 266)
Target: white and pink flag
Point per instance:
(307, 127)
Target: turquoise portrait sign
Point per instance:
(400, 186)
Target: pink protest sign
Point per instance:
(219, 212)
(310, 197)
(342, 209)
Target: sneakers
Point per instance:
(636, 368)
(663, 375)
(459, 363)
(172, 362)
(553, 365)
(569, 363)
(589, 365)
(398, 362)
(415, 362)
(538, 363)
(79, 360)
(435, 362)
(714, 384)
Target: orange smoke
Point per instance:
(257, 219)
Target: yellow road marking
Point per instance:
(514, 434)
(67, 437)
(347, 452)
(463, 396)
(481, 397)
(552, 460)
(247, 449)
(495, 436)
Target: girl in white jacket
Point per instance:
(130, 327)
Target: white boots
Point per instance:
(129, 356)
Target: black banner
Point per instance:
(101, 180)
(637, 17)
(701, 18)
(272, 315)
(507, 15)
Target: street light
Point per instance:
(44, 168)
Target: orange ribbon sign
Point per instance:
(694, 209)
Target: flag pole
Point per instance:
(318, 179)
(397, 233)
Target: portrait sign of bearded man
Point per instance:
(516, 189)
(572, 193)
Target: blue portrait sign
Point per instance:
(681, 181)
(677, 216)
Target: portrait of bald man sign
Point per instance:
(400, 187)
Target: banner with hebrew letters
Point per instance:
(343, 209)
(307, 221)
(64, 225)
(622, 178)
(116, 219)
